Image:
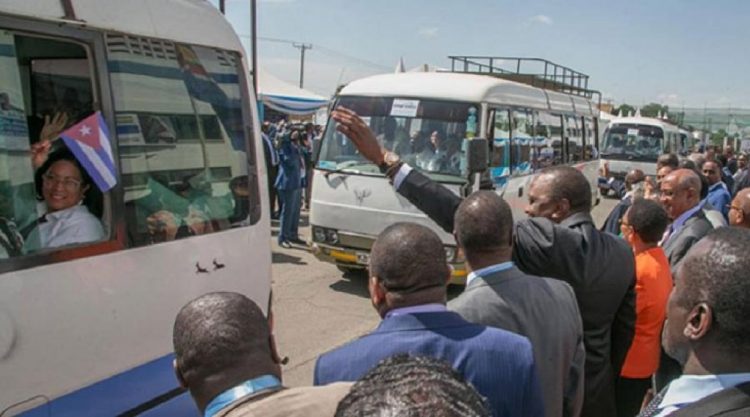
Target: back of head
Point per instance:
(483, 223)
(668, 159)
(569, 183)
(413, 387)
(408, 257)
(715, 271)
(216, 332)
(648, 219)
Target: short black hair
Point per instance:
(570, 184)
(408, 257)
(648, 219)
(688, 164)
(60, 154)
(216, 331)
(718, 275)
(413, 386)
(668, 159)
(483, 222)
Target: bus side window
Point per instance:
(182, 139)
(548, 141)
(520, 156)
(500, 157)
(575, 139)
(589, 139)
(46, 88)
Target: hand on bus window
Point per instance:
(50, 131)
(351, 125)
(162, 226)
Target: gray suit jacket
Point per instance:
(681, 240)
(545, 311)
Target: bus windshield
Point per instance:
(426, 134)
(633, 141)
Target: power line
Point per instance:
(326, 50)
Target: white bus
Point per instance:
(428, 119)
(85, 329)
(636, 142)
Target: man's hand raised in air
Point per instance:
(351, 125)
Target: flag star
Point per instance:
(85, 130)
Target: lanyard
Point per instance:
(251, 386)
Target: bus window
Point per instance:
(520, 155)
(548, 140)
(45, 87)
(500, 158)
(589, 139)
(181, 137)
(574, 139)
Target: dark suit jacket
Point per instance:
(498, 363)
(681, 240)
(730, 402)
(612, 223)
(545, 311)
(600, 268)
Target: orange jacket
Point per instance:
(652, 287)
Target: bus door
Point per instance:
(500, 152)
(521, 155)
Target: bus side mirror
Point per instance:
(477, 155)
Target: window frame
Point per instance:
(113, 208)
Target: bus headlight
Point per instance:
(450, 253)
(319, 234)
(332, 236)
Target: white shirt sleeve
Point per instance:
(401, 175)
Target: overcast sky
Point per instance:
(675, 52)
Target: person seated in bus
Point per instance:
(239, 188)
(434, 156)
(66, 220)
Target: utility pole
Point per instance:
(302, 47)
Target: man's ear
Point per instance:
(178, 374)
(562, 209)
(699, 322)
(377, 292)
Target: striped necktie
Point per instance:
(653, 408)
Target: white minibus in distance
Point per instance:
(428, 119)
(86, 328)
(636, 142)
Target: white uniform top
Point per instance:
(64, 227)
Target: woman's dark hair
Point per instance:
(92, 198)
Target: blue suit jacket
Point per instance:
(289, 177)
(498, 363)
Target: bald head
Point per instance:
(634, 177)
(408, 257)
(680, 191)
(219, 339)
(739, 209)
(484, 224)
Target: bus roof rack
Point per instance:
(536, 72)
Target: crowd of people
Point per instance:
(558, 318)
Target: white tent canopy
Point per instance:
(287, 98)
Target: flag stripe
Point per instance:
(75, 147)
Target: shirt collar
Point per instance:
(719, 184)
(251, 386)
(679, 221)
(692, 388)
(422, 308)
(488, 270)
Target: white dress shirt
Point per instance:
(688, 389)
(64, 227)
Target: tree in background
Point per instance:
(626, 109)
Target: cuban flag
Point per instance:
(89, 142)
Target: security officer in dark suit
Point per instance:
(560, 241)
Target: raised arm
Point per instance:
(430, 197)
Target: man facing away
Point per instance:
(708, 315)
(408, 278)
(226, 357)
(560, 241)
(498, 294)
(414, 386)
